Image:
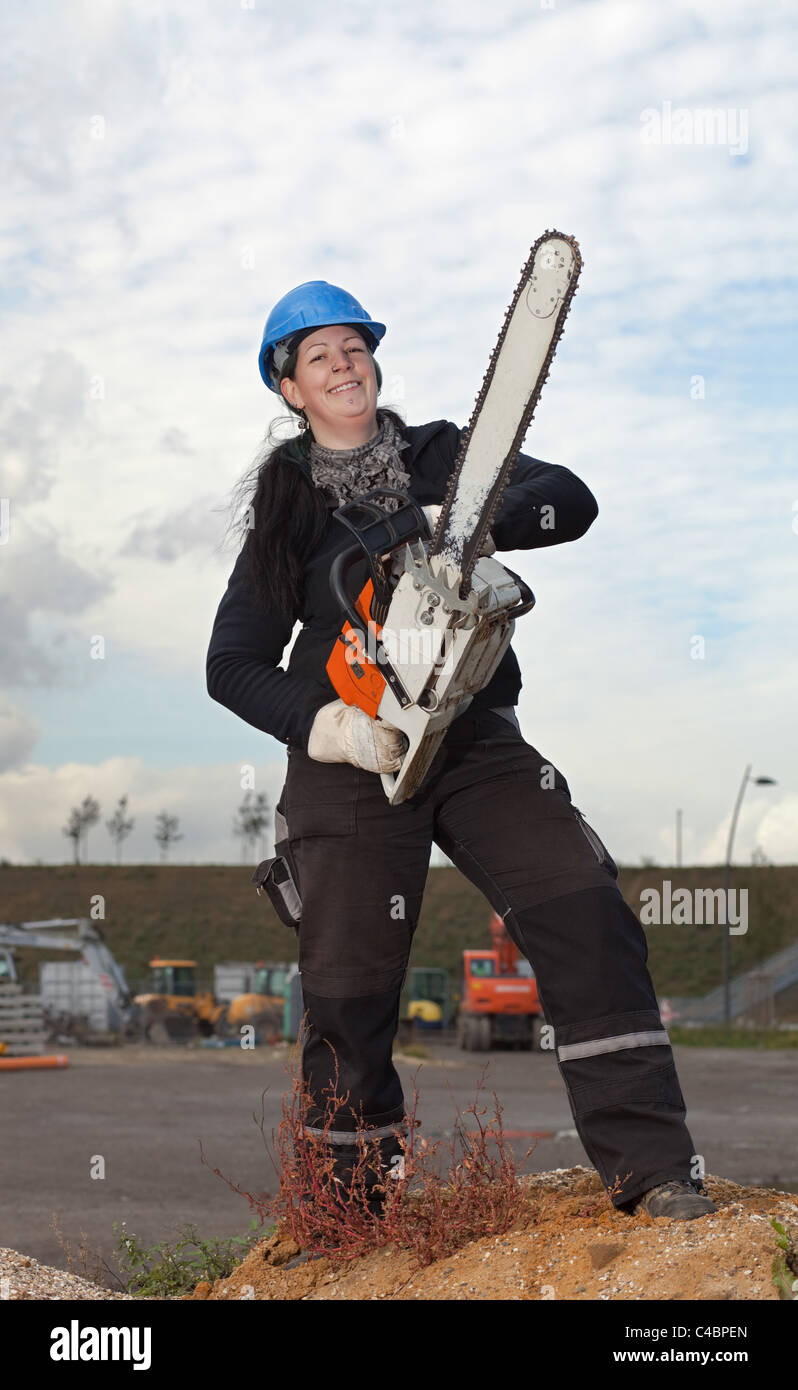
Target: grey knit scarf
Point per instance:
(346, 473)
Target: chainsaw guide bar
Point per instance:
(511, 387)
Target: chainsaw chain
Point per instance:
(472, 545)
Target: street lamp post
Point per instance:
(758, 782)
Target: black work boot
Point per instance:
(383, 1164)
(678, 1199)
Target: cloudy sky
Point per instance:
(171, 169)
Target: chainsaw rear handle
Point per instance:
(340, 566)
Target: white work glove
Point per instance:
(343, 733)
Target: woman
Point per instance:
(493, 803)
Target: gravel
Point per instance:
(22, 1277)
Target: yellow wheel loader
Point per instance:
(173, 1009)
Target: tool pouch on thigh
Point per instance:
(277, 877)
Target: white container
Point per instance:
(231, 978)
(70, 987)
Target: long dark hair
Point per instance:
(285, 515)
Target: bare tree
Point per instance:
(73, 831)
(119, 827)
(166, 833)
(90, 814)
(81, 819)
(253, 817)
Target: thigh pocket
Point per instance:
(275, 878)
(278, 877)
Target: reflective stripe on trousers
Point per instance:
(616, 1044)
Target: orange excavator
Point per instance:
(499, 1001)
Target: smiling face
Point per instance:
(336, 385)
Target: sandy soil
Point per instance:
(576, 1245)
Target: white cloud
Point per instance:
(39, 424)
(18, 735)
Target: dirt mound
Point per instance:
(573, 1244)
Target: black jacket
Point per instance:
(247, 642)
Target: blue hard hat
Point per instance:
(311, 306)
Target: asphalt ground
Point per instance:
(147, 1113)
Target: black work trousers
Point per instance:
(503, 814)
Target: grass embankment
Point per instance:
(212, 913)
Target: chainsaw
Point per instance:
(415, 650)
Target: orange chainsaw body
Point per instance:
(356, 679)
